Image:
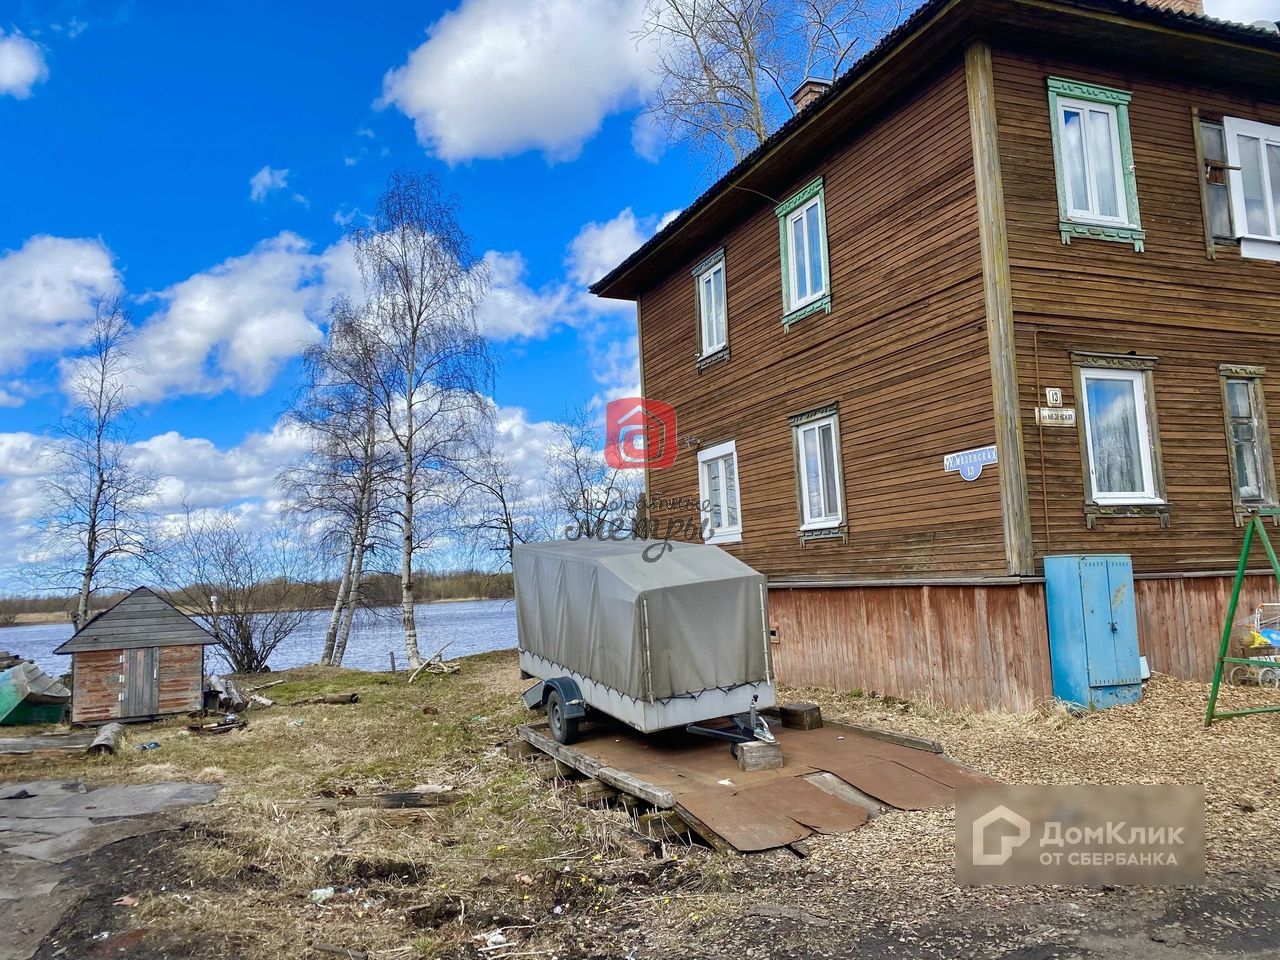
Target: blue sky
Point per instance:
(206, 159)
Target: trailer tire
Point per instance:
(564, 729)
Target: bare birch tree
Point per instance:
(424, 286)
(342, 481)
(95, 524)
(726, 68)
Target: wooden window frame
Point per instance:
(1256, 246)
(1153, 499)
(1262, 432)
(706, 268)
(815, 419)
(1063, 92)
(1207, 167)
(812, 194)
(724, 534)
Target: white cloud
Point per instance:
(648, 139)
(233, 326)
(1244, 11)
(511, 309)
(191, 471)
(198, 473)
(22, 65)
(599, 247)
(47, 290)
(605, 328)
(266, 180)
(497, 77)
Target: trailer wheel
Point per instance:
(564, 729)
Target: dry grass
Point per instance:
(559, 878)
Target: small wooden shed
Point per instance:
(139, 659)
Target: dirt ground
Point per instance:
(517, 867)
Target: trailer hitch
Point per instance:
(743, 728)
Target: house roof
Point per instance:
(141, 619)
(1129, 29)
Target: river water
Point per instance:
(470, 626)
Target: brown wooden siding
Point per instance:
(181, 678)
(96, 690)
(903, 353)
(1170, 302)
(983, 647)
(1180, 619)
(95, 694)
(965, 647)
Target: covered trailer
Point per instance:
(655, 635)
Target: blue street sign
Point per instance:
(969, 463)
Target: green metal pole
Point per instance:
(1231, 611)
(1266, 543)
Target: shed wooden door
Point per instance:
(140, 686)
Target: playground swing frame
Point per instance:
(1254, 528)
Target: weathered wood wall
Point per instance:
(95, 691)
(181, 678)
(1180, 619)
(95, 694)
(903, 353)
(966, 647)
(1170, 302)
(983, 647)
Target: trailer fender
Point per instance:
(574, 705)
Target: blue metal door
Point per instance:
(1093, 629)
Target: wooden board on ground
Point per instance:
(47, 744)
(760, 809)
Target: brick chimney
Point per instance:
(1181, 6)
(809, 91)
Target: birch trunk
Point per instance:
(357, 573)
(412, 654)
(344, 587)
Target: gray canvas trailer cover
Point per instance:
(656, 643)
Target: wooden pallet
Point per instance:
(670, 814)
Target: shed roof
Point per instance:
(141, 619)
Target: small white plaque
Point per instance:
(1052, 396)
(1056, 416)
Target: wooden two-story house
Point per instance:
(1008, 288)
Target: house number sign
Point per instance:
(969, 463)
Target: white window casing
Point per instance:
(1118, 440)
(806, 261)
(713, 320)
(1093, 171)
(820, 487)
(718, 493)
(1253, 154)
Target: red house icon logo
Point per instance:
(640, 433)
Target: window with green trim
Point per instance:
(802, 238)
(1093, 162)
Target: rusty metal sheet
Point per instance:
(741, 821)
(900, 776)
(771, 808)
(808, 805)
